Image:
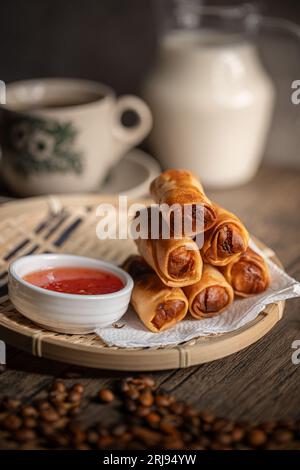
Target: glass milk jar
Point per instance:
(212, 103)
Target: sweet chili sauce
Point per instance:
(73, 280)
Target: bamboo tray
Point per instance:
(68, 224)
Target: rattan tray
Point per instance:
(68, 224)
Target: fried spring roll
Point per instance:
(159, 307)
(183, 188)
(209, 296)
(136, 266)
(226, 240)
(249, 275)
(177, 263)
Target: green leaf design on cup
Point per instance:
(37, 145)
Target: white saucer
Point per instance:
(132, 175)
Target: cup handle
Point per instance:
(127, 137)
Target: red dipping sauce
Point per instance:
(80, 281)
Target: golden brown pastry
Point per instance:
(249, 275)
(177, 263)
(159, 307)
(226, 240)
(183, 188)
(209, 296)
(136, 266)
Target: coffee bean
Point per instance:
(237, 434)
(163, 411)
(74, 426)
(130, 405)
(78, 388)
(60, 439)
(215, 446)
(105, 395)
(186, 436)
(228, 427)
(46, 429)
(146, 398)
(283, 436)
(169, 443)
(57, 397)
(12, 422)
(140, 383)
(24, 435)
(271, 445)
(58, 386)
(177, 408)
(60, 423)
(207, 417)
(268, 426)
(131, 392)
(29, 411)
(125, 387)
(92, 437)
(104, 442)
(74, 411)
(153, 418)
(219, 424)
(126, 437)
(119, 430)
(174, 420)
(195, 446)
(206, 427)
(148, 381)
(134, 394)
(78, 437)
(195, 421)
(30, 423)
(167, 427)
(204, 441)
(102, 430)
(50, 415)
(223, 438)
(62, 409)
(74, 397)
(44, 405)
(162, 400)
(147, 436)
(142, 410)
(286, 424)
(11, 404)
(256, 437)
(189, 411)
(82, 447)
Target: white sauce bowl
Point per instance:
(66, 313)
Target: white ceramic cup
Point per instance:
(63, 135)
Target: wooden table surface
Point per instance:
(258, 383)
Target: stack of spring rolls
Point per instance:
(173, 276)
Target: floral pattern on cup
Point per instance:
(37, 145)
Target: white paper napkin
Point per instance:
(131, 333)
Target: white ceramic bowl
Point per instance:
(66, 313)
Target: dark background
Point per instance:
(108, 40)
